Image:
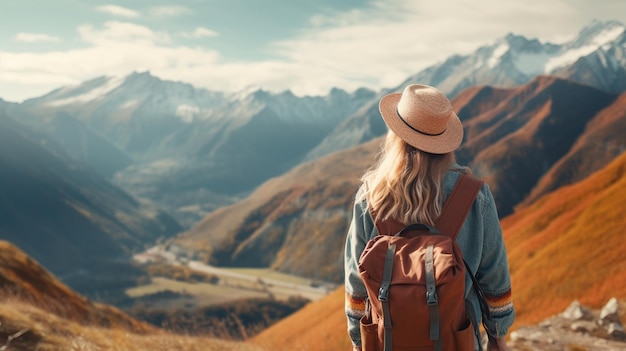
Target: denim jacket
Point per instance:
(483, 248)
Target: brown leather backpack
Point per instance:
(415, 280)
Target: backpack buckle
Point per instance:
(383, 294)
(431, 297)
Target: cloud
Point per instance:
(116, 49)
(376, 46)
(118, 11)
(169, 11)
(200, 32)
(115, 32)
(35, 38)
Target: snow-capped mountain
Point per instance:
(514, 60)
(595, 57)
(201, 146)
(189, 146)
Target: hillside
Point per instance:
(572, 236)
(294, 223)
(576, 231)
(602, 141)
(321, 325)
(38, 312)
(66, 216)
(515, 136)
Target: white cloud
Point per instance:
(118, 11)
(169, 11)
(35, 38)
(200, 32)
(121, 32)
(115, 50)
(377, 46)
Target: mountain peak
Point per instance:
(598, 33)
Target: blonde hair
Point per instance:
(405, 183)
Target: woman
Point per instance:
(410, 181)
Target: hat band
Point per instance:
(417, 130)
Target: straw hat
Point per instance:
(422, 116)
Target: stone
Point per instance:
(584, 327)
(577, 312)
(610, 312)
(616, 331)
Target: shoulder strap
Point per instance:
(454, 211)
(457, 206)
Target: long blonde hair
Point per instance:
(405, 184)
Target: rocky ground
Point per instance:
(578, 328)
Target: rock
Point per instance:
(577, 312)
(616, 331)
(610, 312)
(584, 327)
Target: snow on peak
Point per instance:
(497, 54)
(588, 42)
(187, 113)
(95, 93)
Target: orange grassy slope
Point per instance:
(321, 325)
(570, 245)
(567, 245)
(38, 312)
(23, 278)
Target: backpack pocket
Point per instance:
(369, 334)
(464, 338)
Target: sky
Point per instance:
(307, 47)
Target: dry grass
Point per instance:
(47, 332)
(569, 245)
(320, 325)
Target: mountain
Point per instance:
(516, 137)
(294, 223)
(524, 142)
(572, 236)
(602, 141)
(576, 232)
(595, 57)
(192, 150)
(38, 312)
(64, 214)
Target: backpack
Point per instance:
(415, 281)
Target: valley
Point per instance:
(140, 222)
(227, 284)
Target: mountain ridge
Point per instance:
(515, 138)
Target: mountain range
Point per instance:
(248, 176)
(74, 221)
(524, 141)
(191, 150)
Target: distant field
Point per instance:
(202, 294)
(233, 284)
(266, 273)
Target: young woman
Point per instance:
(410, 181)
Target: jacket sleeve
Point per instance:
(493, 272)
(356, 294)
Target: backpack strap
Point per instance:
(458, 205)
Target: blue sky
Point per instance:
(227, 45)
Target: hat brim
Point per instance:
(443, 143)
